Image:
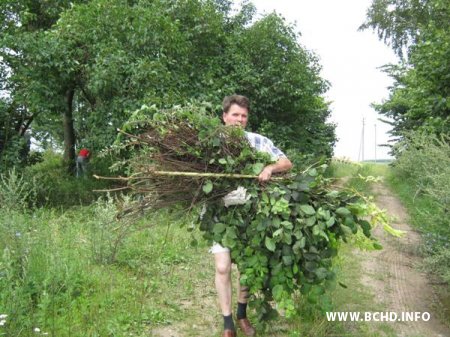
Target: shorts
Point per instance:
(217, 248)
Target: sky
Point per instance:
(350, 61)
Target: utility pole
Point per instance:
(375, 125)
(361, 144)
(362, 140)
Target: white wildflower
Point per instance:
(3, 319)
(37, 330)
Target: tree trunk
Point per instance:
(69, 132)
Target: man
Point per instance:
(82, 162)
(235, 112)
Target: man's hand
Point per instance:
(282, 165)
(265, 174)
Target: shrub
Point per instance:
(55, 187)
(16, 192)
(439, 264)
(422, 170)
(425, 160)
(43, 270)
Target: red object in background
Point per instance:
(84, 153)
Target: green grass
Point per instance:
(54, 276)
(341, 170)
(425, 214)
(351, 173)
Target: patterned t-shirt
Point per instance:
(264, 144)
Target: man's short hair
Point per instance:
(240, 100)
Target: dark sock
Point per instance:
(228, 323)
(241, 310)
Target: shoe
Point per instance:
(229, 333)
(246, 327)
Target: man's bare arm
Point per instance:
(283, 164)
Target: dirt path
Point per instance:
(393, 275)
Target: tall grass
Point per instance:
(57, 275)
(421, 177)
(15, 191)
(424, 160)
(55, 187)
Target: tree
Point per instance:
(103, 59)
(28, 79)
(419, 98)
(282, 80)
(397, 22)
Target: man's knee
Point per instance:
(223, 267)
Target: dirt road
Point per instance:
(393, 275)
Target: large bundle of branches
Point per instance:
(282, 237)
(185, 155)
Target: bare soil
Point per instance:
(394, 276)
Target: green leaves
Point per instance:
(277, 292)
(307, 209)
(342, 211)
(419, 96)
(208, 187)
(219, 228)
(288, 245)
(330, 222)
(257, 168)
(230, 237)
(280, 206)
(270, 244)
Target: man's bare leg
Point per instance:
(224, 290)
(223, 281)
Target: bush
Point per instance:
(422, 175)
(55, 187)
(15, 192)
(425, 160)
(439, 264)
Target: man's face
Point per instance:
(236, 115)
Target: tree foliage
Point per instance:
(78, 68)
(419, 98)
(397, 22)
(29, 84)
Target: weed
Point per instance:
(15, 192)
